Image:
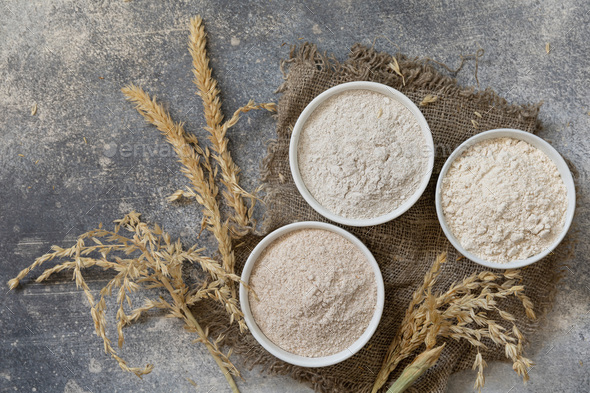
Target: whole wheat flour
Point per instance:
(316, 292)
(504, 200)
(361, 154)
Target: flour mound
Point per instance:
(316, 291)
(504, 200)
(362, 154)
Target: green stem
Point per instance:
(418, 367)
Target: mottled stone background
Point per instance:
(86, 156)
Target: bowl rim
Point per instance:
(274, 349)
(389, 92)
(536, 142)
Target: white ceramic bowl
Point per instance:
(389, 92)
(539, 144)
(276, 350)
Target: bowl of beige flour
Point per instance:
(314, 294)
(361, 153)
(505, 198)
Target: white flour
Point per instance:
(361, 154)
(317, 292)
(504, 200)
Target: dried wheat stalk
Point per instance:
(209, 93)
(142, 257)
(197, 168)
(147, 258)
(460, 313)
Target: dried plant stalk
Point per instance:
(195, 162)
(271, 107)
(209, 93)
(148, 259)
(460, 313)
(141, 257)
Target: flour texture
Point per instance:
(504, 200)
(362, 154)
(316, 292)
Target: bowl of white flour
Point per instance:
(505, 198)
(361, 153)
(315, 294)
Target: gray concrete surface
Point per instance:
(88, 157)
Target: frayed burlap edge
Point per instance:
(418, 72)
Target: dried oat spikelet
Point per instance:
(461, 313)
(209, 93)
(479, 364)
(394, 65)
(428, 99)
(142, 257)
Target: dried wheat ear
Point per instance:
(144, 257)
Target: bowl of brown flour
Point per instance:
(315, 294)
(361, 153)
(505, 198)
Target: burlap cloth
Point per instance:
(404, 248)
